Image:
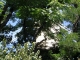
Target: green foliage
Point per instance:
(1, 6)
(56, 56)
(20, 53)
(43, 14)
(69, 45)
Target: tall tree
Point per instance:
(36, 17)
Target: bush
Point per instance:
(20, 53)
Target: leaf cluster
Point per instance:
(19, 53)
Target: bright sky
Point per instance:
(65, 23)
(13, 23)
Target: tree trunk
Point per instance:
(24, 29)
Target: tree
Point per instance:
(69, 46)
(37, 16)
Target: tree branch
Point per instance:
(76, 25)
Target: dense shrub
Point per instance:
(19, 53)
